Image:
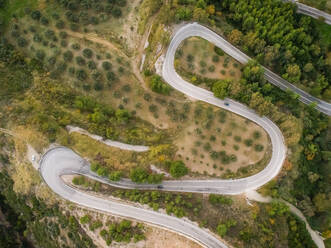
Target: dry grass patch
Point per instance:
(198, 56)
(220, 142)
(110, 157)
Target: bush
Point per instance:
(97, 76)
(52, 60)
(237, 138)
(219, 51)
(102, 171)
(64, 43)
(202, 63)
(258, 148)
(35, 15)
(40, 54)
(91, 65)
(139, 175)
(256, 135)
(21, 42)
(110, 76)
(116, 12)
(63, 34)
(37, 38)
(67, 56)
(219, 199)
(248, 142)
(60, 24)
(44, 21)
(94, 20)
(190, 58)
(106, 65)
(87, 53)
(81, 75)
(157, 85)
(178, 169)
(211, 68)
(216, 58)
(98, 86)
(85, 219)
(75, 46)
(74, 27)
(115, 175)
(80, 61)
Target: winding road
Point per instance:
(195, 29)
(312, 12)
(60, 161)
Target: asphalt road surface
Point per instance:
(312, 12)
(195, 29)
(62, 161)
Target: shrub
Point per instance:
(219, 199)
(256, 135)
(97, 76)
(35, 15)
(258, 148)
(91, 65)
(178, 169)
(115, 175)
(21, 42)
(152, 108)
(60, 24)
(67, 56)
(98, 86)
(102, 171)
(237, 138)
(63, 34)
(203, 63)
(218, 51)
(44, 21)
(37, 38)
(116, 12)
(40, 54)
(110, 76)
(126, 88)
(87, 53)
(74, 27)
(216, 58)
(81, 75)
(51, 60)
(157, 85)
(248, 142)
(72, 70)
(94, 20)
(190, 58)
(85, 219)
(75, 46)
(139, 175)
(80, 61)
(64, 43)
(106, 65)
(211, 68)
(62, 66)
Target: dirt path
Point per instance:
(255, 196)
(94, 38)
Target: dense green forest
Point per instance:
(31, 221)
(282, 40)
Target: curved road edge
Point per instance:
(195, 29)
(60, 161)
(311, 11)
